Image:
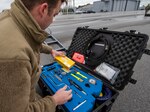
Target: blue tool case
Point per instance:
(83, 92)
(94, 88)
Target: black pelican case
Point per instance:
(125, 49)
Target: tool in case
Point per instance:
(109, 72)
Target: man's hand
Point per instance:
(57, 53)
(62, 96)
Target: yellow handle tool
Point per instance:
(79, 79)
(81, 75)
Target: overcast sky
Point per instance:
(4, 4)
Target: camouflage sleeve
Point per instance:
(15, 89)
(45, 49)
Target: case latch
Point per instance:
(133, 81)
(146, 51)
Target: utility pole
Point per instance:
(73, 3)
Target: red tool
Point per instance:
(78, 57)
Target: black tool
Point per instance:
(51, 68)
(76, 85)
(58, 78)
(77, 94)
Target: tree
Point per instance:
(147, 8)
(67, 10)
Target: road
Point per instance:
(134, 98)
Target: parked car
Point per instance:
(78, 12)
(90, 11)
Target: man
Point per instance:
(21, 37)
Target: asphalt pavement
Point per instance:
(134, 98)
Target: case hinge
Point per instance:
(146, 51)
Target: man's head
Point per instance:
(43, 11)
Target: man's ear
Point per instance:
(43, 9)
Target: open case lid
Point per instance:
(126, 49)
